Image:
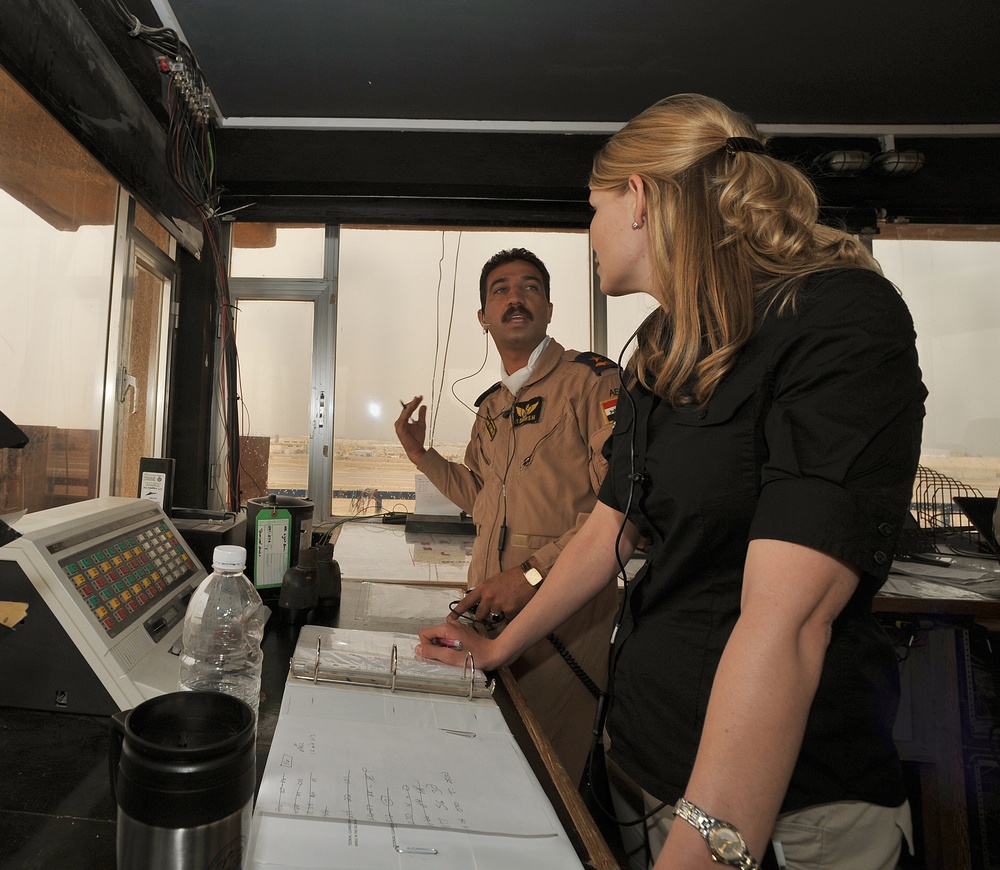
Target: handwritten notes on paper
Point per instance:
(396, 776)
(430, 500)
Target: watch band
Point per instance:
(724, 840)
(532, 575)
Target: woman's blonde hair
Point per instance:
(733, 232)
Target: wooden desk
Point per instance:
(933, 732)
(563, 794)
(56, 808)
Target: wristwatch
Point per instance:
(532, 575)
(725, 842)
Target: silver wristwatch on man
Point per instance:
(725, 842)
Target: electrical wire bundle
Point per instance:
(191, 162)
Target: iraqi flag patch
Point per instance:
(608, 407)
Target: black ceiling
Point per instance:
(852, 62)
(449, 109)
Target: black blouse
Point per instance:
(812, 438)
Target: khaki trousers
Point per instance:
(844, 835)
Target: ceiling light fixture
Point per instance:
(896, 163)
(842, 163)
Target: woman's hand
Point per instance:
(451, 643)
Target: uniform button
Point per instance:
(702, 415)
(879, 557)
(885, 529)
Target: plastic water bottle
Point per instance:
(223, 628)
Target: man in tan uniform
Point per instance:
(531, 475)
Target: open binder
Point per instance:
(382, 659)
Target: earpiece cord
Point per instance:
(599, 719)
(436, 401)
(432, 404)
(486, 357)
(502, 538)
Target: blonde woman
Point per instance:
(765, 449)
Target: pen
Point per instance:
(447, 642)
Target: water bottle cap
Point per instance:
(229, 557)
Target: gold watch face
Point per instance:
(726, 843)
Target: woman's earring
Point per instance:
(635, 225)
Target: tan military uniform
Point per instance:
(534, 465)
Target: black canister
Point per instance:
(328, 574)
(183, 771)
(299, 589)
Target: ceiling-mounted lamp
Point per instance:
(896, 163)
(842, 163)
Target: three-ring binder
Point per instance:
(366, 658)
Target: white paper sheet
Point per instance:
(430, 501)
(291, 842)
(415, 602)
(399, 776)
(294, 844)
(373, 551)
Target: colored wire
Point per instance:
(191, 161)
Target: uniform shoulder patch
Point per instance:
(492, 389)
(595, 362)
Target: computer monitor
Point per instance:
(981, 511)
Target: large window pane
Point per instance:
(625, 313)
(953, 292)
(270, 251)
(57, 210)
(407, 326)
(275, 345)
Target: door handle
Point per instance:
(125, 380)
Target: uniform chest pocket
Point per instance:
(516, 436)
(534, 439)
(723, 408)
(715, 453)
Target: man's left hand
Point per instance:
(502, 595)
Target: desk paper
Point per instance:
(496, 772)
(440, 549)
(418, 602)
(382, 553)
(964, 578)
(399, 777)
(295, 844)
(431, 502)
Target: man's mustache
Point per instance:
(517, 309)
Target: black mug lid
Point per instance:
(189, 725)
(183, 759)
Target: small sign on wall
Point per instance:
(156, 482)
